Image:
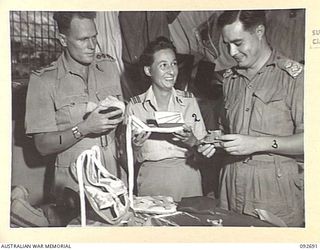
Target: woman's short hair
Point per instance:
(250, 19)
(63, 18)
(146, 59)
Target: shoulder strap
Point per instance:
(293, 68)
(104, 57)
(40, 71)
(185, 94)
(135, 99)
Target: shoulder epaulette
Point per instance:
(185, 94)
(227, 73)
(104, 57)
(41, 70)
(292, 67)
(135, 99)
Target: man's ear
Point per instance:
(63, 39)
(260, 30)
(147, 70)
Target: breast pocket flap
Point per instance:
(70, 101)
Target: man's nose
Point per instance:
(233, 50)
(92, 43)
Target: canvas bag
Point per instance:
(107, 195)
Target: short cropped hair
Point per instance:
(250, 19)
(63, 18)
(146, 58)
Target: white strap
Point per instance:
(79, 166)
(93, 159)
(141, 126)
(130, 159)
(96, 151)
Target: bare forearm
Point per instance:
(236, 144)
(55, 142)
(289, 145)
(95, 123)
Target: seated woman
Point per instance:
(165, 167)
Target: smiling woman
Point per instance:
(164, 72)
(164, 157)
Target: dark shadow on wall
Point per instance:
(30, 154)
(31, 158)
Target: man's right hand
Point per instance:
(97, 123)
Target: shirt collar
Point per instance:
(65, 67)
(270, 62)
(150, 97)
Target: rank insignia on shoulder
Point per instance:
(293, 68)
(41, 70)
(185, 94)
(227, 73)
(104, 57)
(135, 99)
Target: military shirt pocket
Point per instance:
(70, 109)
(271, 115)
(104, 92)
(231, 114)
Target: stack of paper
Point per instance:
(168, 119)
(141, 126)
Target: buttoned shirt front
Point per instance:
(159, 146)
(58, 98)
(271, 103)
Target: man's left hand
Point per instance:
(236, 144)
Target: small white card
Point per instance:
(141, 126)
(168, 118)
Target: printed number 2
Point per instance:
(194, 115)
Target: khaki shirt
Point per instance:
(57, 99)
(271, 103)
(156, 147)
(268, 104)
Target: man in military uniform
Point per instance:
(63, 111)
(263, 124)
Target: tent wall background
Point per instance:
(286, 32)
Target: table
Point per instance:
(194, 211)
